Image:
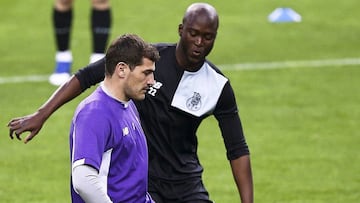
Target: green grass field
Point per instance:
(301, 123)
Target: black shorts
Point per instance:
(184, 191)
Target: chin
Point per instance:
(196, 60)
(140, 97)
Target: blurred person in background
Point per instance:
(62, 15)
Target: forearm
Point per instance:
(241, 169)
(87, 184)
(62, 95)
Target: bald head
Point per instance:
(197, 33)
(201, 10)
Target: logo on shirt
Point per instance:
(194, 102)
(125, 131)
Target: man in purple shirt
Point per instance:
(109, 155)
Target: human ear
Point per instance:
(180, 29)
(120, 69)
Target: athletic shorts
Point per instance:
(184, 191)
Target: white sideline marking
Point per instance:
(292, 64)
(240, 66)
(23, 79)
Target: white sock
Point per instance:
(96, 56)
(64, 56)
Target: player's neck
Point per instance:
(184, 63)
(112, 89)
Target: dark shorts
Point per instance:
(187, 191)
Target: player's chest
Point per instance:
(195, 93)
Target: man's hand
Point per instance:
(32, 123)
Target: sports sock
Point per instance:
(63, 61)
(64, 56)
(62, 27)
(100, 28)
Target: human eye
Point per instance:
(148, 72)
(209, 36)
(192, 33)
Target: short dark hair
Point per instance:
(130, 49)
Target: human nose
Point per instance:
(198, 40)
(151, 80)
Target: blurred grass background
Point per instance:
(301, 123)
